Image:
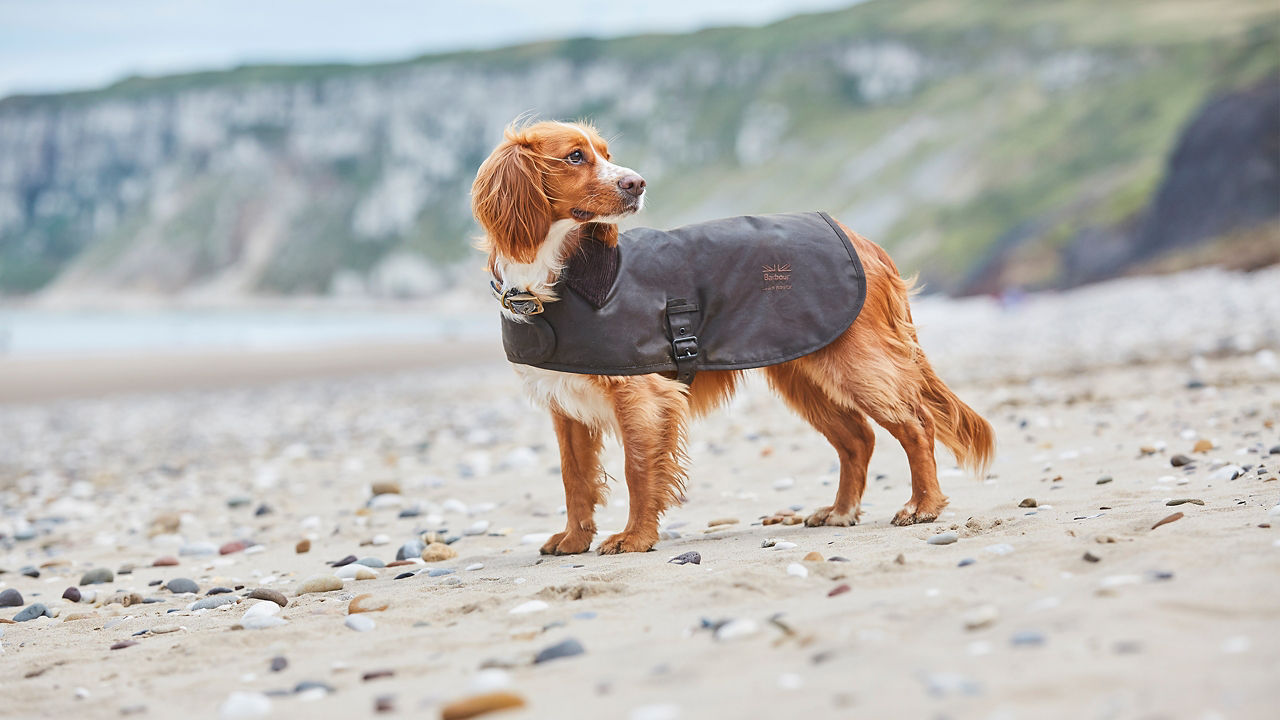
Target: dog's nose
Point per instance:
(632, 184)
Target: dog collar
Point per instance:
(520, 302)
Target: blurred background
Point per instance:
(290, 174)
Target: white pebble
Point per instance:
(784, 545)
(380, 539)
(479, 527)
(999, 549)
(535, 538)
(1226, 472)
(265, 608)
(529, 607)
(475, 566)
(737, 629)
(262, 622)
(490, 679)
(790, 681)
(355, 571)
(784, 483)
(454, 505)
(81, 693)
(245, 704)
(797, 570)
(360, 622)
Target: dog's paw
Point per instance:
(825, 516)
(918, 512)
(628, 542)
(566, 543)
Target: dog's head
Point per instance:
(545, 180)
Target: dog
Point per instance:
(549, 189)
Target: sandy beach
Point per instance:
(1117, 407)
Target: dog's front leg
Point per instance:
(583, 485)
(652, 413)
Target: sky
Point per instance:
(56, 45)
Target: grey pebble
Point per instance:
(567, 648)
(31, 612)
(218, 591)
(410, 513)
(944, 538)
(404, 575)
(439, 572)
(10, 598)
(410, 550)
(1184, 501)
(72, 594)
(199, 548)
(306, 685)
(181, 585)
(966, 562)
(263, 509)
(1027, 638)
(1275, 450)
(343, 562)
(209, 603)
(1179, 460)
(1104, 480)
(279, 663)
(30, 571)
(97, 576)
(585, 615)
(371, 562)
(239, 501)
(360, 623)
(689, 558)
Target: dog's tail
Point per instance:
(957, 426)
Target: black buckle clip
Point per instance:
(686, 347)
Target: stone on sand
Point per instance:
(319, 583)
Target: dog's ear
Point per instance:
(510, 201)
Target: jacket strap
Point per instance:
(682, 321)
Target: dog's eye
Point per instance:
(575, 158)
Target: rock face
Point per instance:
(354, 180)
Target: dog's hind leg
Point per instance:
(917, 436)
(583, 485)
(847, 431)
(652, 414)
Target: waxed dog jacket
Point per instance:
(731, 294)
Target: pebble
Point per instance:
(279, 663)
(366, 603)
(478, 705)
(319, 583)
(264, 608)
(1202, 446)
(839, 590)
(529, 607)
(124, 644)
(404, 575)
(784, 545)
(1090, 557)
(220, 590)
(1179, 460)
(1027, 638)
(411, 549)
(384, 703)
(97, 576)
(385, 487)
(245, 705)
(535, 538)
(475, 566)
(1167, 520)
(208, 603)
(965, 562)
(31, 612)
(232, 547)
(182, 585)
(1103, 480)
(303, 546)
(944, 538)
(355, 571)
(439, 572)
(689, 558)
(30, 571)
(371, 562)
(813, 556)
(197, 549)
(1225, 473)
(343, 562)
(360, 623)
(165, 629)
(564, 649)
(1185, 501)
(166, 561)
(736, 630)
(722, 521)
(797, 570)
(980, 617)
(71, 593)
(999, 549)
(269, 594)
(10, 598)
(1028, 503)
(437, 552)
(784, 483)
(479, 527)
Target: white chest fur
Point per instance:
(572, 394)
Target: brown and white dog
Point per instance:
(549, 185)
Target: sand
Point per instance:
(1109, 381)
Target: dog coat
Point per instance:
(731, 294)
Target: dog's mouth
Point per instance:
(587, 216)
(582, 215)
